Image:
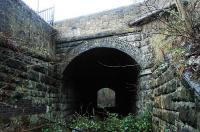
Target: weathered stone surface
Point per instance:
(143, 56)
(132, 38)
(145, 82)
(191, 83)
(159, 86)
(188, 116)
(102, 24)
(28, 82)
(173, 103)
(165, 77)
(161, 125)
(162, 68)
(25, 27)
(168, 116)
(198, 120)
(166, 88)
(184, 94)
(34, 79)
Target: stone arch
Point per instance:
(137, 54)
(84, 76)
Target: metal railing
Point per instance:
(48, 15)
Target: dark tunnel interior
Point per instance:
(102, 68)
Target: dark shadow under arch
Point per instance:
(101, 68)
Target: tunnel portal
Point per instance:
(100, 68)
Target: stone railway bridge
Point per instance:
(53, 71)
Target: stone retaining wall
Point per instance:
(29, 84)
(175, 108)
(22, 25)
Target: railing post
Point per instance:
(48, 15)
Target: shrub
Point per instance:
(85, 123)
(113, 123)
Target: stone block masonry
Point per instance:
(174, 107)
(23, 26)
(129, 43)
(29, 84)
(100, 24)
(34, 57)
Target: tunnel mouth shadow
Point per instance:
(100, 68)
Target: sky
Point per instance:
(66, 9)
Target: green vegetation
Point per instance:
(56, 127)
(113, 123)
(177, 37)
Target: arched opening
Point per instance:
(106, 98)
(100, 68)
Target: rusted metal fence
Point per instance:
(48, 15)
